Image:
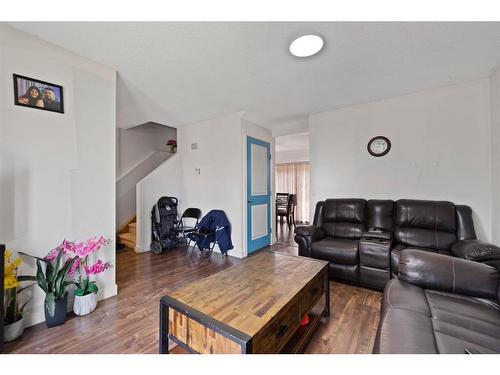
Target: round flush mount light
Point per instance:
(306, 45)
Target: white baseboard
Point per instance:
(141, 248)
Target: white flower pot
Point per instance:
(13, 331)
(85, 304)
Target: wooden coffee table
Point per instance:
(253, 307)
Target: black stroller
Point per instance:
(164, 221)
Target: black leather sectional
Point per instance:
(441, 285)
(440, 305)
(341, 235)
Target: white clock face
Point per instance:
(379, 146)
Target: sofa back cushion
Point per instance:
(465, 224)
(427, 224)
(380, 214)
(344, 218)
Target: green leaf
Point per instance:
(40, 277)
(56, 267)
(79, 292)
(59, 285)
(50, 303)
(49, 271)
(92, 288)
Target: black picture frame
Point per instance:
(56, 106)
(368, 147)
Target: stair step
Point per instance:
(127, 236)
(132, 228)
(130, 245)
(127, 239)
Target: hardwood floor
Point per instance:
(128, 322)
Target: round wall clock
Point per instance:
(379, 146)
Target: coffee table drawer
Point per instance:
(273, 337)
(310, 296)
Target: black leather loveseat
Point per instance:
(440, 304)
(341, 235)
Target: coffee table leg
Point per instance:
(163, 328)
(327, 294)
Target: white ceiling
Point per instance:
(179, 73)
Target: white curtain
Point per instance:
(293, 178)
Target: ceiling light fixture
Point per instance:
(306, 45)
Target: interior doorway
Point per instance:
(258, 194)
(292, 184)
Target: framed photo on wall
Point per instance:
(33, 93)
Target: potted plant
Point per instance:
(86, 289)
(52, 278)
(173, 145)
(13, 314)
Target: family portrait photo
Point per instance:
(30, 92)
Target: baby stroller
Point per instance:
(163, 222)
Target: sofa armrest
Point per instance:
(304, 230)
(304, 235)
(442, 272)
(476, 250)
(303, 238)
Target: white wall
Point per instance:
(57, 171)
(219, 159)
(126, 186)
(441, 149)
(166, 180)
(495, 153)
(292, 156)
(292, 148)
(136, 144)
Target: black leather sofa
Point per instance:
(341, 235)
(440, 304)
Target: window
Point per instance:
(293, 178)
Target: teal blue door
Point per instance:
(258, 194)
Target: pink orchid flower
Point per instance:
(97, 268)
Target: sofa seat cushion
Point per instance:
(416, 320)
(396, 252)
(336, 250)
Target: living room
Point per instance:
(241, 187)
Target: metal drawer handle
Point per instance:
(281, 331)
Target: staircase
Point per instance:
(127, 236)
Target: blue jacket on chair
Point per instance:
(216, 221)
